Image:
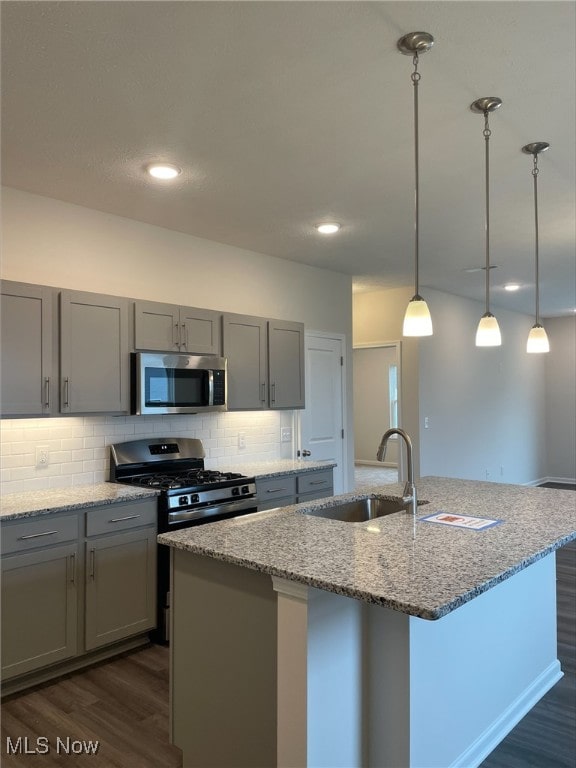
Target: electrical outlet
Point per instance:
(42, 456)
(426, 422)
(285, 434)
(241, 440)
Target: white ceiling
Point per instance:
(285, 114)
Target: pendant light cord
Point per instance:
(487, 133)
(536, 259)
(415, 77)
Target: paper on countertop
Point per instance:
(460, 521)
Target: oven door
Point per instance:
(183, 518)
(176, 520)
(172, 383)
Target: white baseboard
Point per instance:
(500, 728)
(542, 480)
(388, 464)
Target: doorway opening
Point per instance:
(376, 409)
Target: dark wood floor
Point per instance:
(124, 705)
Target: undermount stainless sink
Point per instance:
(360, 511)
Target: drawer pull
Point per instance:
(276, 490)
(36, 535)
(121, 519)
(318, 482)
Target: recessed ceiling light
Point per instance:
(329, 228)
(164, 171)
(511, 287)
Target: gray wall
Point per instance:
(561, 398)
(485, 407)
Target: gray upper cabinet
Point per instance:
(167, 327)
(265, 362)
(286, 364)
(246, 350)
(94, 353)
(27, 383)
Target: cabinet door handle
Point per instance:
(73, 568)
(36, 535)
(176, 335)
(92, 564)
(273, 392)
(120, 519)
(263, 392)
(47, 392)
(66, 392)
(184, 338)
(276, 490)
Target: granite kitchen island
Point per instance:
(303, 641)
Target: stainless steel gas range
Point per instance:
(189, 494)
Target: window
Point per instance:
(393, 394)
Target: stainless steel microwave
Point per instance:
(176, 383)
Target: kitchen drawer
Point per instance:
(276, 488)
(311, 482)
(38, 532)
(120, 517)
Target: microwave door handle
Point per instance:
(210, 387)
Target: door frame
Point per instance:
(397, 345)
(341, 337)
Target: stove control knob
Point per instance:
(245, 489)
(194, 497)
(183, 500)
(235, 491)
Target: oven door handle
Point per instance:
(213, 510)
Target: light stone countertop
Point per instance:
(426, 575)
(274, 468)
(33, 503)
(50, 501)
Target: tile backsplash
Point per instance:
(78, 453)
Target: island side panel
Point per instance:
(223, 664)
(476, 672)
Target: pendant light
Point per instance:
(488, 332)
(417, 320)
(537, 338)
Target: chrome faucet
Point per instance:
(409, 496)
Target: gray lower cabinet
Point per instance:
(40, 591)
(94, 353)
(120, 573)
(315, 485)
(265, 362)
(168, 327)
(283, 490)
(277, 491)
(76, 583)
(27, 383)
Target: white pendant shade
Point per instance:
(538, 340)
(488, 332)
(417, 320)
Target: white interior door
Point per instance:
(322, 421)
